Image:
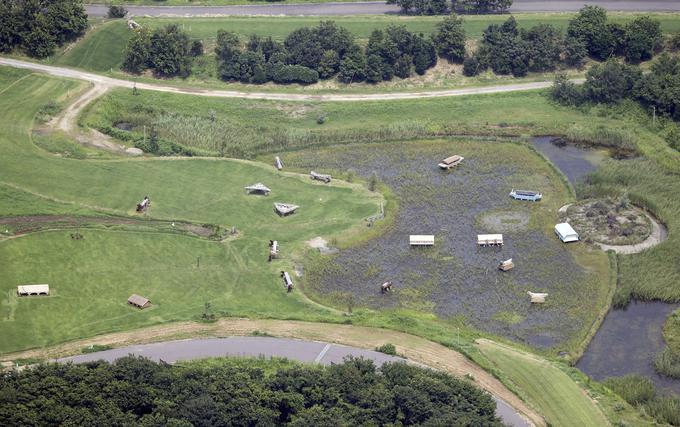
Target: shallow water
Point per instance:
(455, 278)
(574, 162)
(627, 342)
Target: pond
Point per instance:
(574, 162)
(455, 277)
(629, 339)
(627, 342)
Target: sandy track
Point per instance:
(657, 236)
(104, 81)
(412, 347)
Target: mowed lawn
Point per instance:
(562, 401)
(92, 278)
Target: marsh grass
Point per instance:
(639, 391)
(667, 363)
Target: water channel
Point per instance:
(627, 340)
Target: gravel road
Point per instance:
(379, 8)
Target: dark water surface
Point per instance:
(627, 342)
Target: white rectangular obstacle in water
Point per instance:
(421, 240)
(490, 239)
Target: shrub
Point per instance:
(450, 39)
(387, 349)
(196, 48)
(471, 66)
(566, 92)
(295, 74)
(116, 11)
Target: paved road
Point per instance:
(111, 82)
(303, 351)
(380, 8)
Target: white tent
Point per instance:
(537, 298)
(258, 188)
(566, 233)
(490, 239)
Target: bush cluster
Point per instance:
(167, 51)
(136, 391)
(508, 50)
(442, 7)
(323, 52)
(613, 81)
(39, 26)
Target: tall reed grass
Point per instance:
(640, 392)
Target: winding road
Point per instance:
(380, 8)
(303, 351)
(108, 82)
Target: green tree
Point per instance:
(543, 44)
(67, 20)
(611, 82)
(329, 64)
(590, 26)
(449, 39)
(642, 38)
(374, 69)
(136, 52)
(575, 52)
(39, 43)
(227, 50)
(169, 52)
(484, 6)
(352, 66)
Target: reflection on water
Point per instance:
(627, 342)
(574, 162)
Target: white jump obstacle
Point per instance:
(421, 240)
(490, 240)
(32, 290)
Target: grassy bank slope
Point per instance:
(92, 278)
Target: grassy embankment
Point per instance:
(101, 50)
(99, 182)
(92, 278)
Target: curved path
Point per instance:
(112, 82)
(303, 351)
(380, 8)
(658, 235)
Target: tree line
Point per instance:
(443, 7)
(505, 49)
(39, 26)
(137, 391)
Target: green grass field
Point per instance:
(562, 401)
(91, 278)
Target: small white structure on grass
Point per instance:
(490, 239)
(278, 163)
(421, 240)
(566, 233)
(26, 290)
(284, 209)
(258, 188)
(537, 297)
(506, 265)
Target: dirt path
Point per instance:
(111, 82)
(414, 348)
(658, 235)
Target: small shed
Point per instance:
(421, 240)
(139, 301)
(320, 177)
(490, 239)
(31, 290)
(537, 297)
(566, 233)
(284, 209)
(278, 163)
(258, 188)
(532, 196)
(273, 249)
(506, 265)
(451, 162)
